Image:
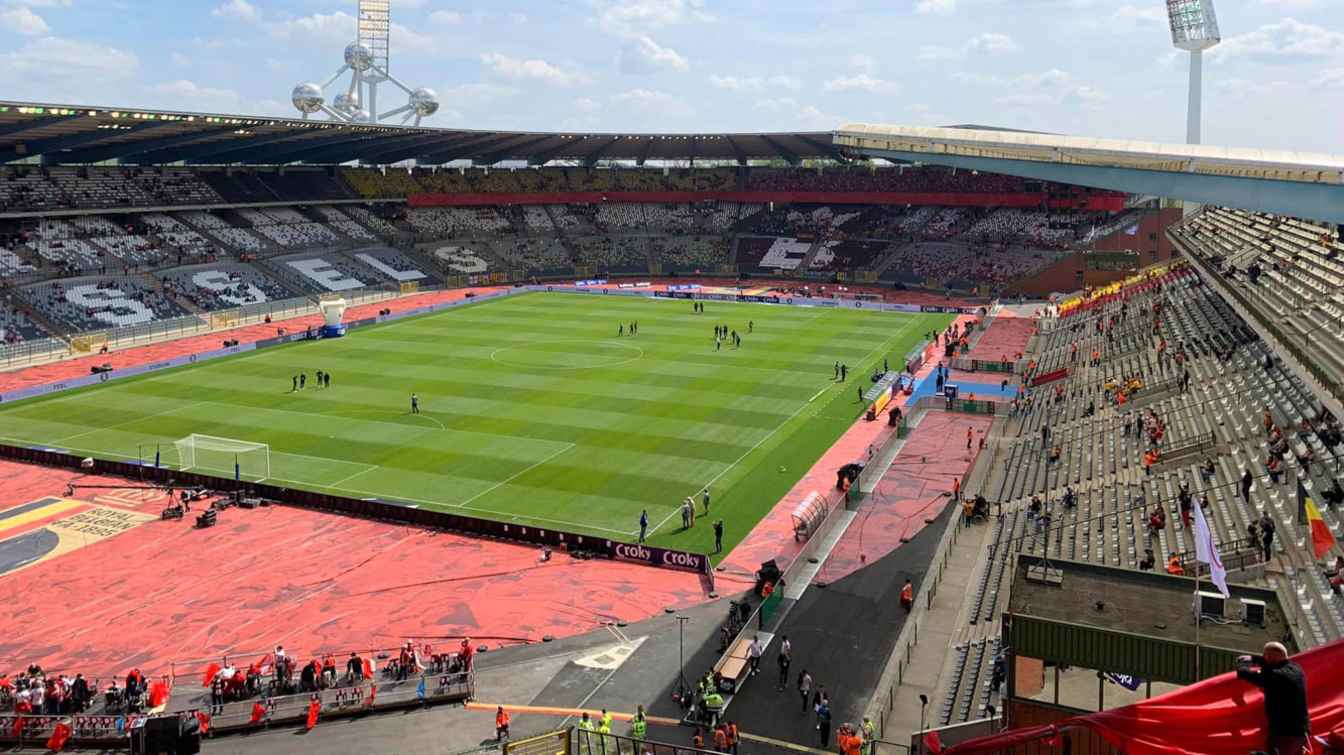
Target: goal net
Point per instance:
(226, 457)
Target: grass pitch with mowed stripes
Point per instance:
(533, 409)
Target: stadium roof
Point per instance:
(69, 134)
(1305, 184)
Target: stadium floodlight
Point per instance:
(1194, 28)
(366, 60)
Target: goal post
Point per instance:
(229, 457)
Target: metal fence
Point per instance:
(50, 349)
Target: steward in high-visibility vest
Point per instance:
(639, 725)
(869, 736)
(586, 729)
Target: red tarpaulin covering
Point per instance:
(1218, 716)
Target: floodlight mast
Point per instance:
(367, 61)
(1194, 28)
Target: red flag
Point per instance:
(314, 708)
(158, 694)
(373, 692)
(59, 737)
(933, 743)
(203, 719)
(258, 713)
(211, 672)
(18, 726)
(368, 669)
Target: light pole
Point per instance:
(1194, 28)
(682, 688)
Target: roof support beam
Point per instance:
(513, 151)
(789, 157)
(541, 158)
(195, 152)
(737, 150)
(824, 147)
(122, 150)
(47, 147)
(414, 146)
(644, 153)
(34, 124)
(591, 158)
(277, 154)
(467, 148)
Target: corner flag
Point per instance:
(237, 473)
(1207, 551)
(156, 457)
(1322, 539)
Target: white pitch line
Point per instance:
(347, 478)
(513, 477)
(882, 346)
(128, 422)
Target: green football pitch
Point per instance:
(533, 410)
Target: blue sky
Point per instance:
(1088, 67)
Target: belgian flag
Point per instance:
(1322, 539)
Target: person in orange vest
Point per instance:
(850, 741)
(734, 737)
(908, 595)
(1174, 565)
(698, 741)
(721, 738)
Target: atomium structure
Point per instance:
(366, 63)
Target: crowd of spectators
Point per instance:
(241, 239)
(449, 222)
(288, 228)
(100, 303)
(896, 179)
(532, 253)
(27, 189)
(965, 263)
(612, 252)
(220, 286)
(15, 327)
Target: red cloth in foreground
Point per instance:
(258, 712)
(59, 737)
(314, 708)
(211, 672)
(1218, 716)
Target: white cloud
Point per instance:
(22, 20)
(320, 28)
(936, 7)
(651, 102)
(642, 56)
(1153, 14)
(863, 62)
(403, 38)
(1046, 88)
(1287, 40)
(55, 59)
(754, 83)
(477, 94)
(533, 69)
(239, 9)
(636, 18)
(861, 82)
(1292, 4)
(188, 95)
(793, 114)
(990, 43)
(1333, 77)
(445, 17)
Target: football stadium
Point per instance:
(348, 431)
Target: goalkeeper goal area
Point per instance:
(229, 457)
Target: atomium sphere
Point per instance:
(358, 57)
(307, 98)
(345, 103)
(361, 116)
(425, 102)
